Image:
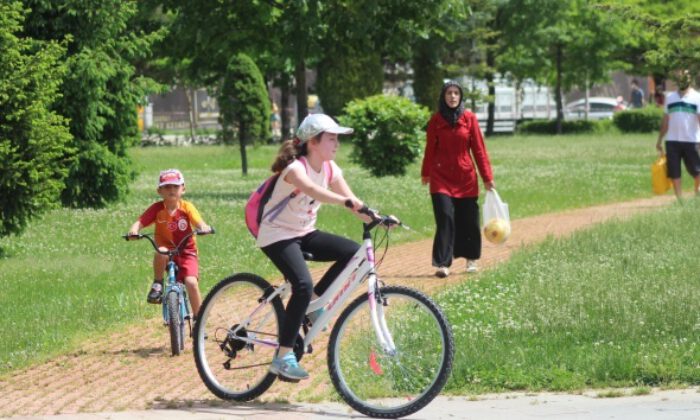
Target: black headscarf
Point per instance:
(451, 115)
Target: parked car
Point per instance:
(599, 108)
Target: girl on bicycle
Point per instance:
(305, 165)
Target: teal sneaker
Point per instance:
(313, 316)
(288, 368)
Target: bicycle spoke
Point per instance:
(378, 383)
(234, 363)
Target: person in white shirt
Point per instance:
(307, 169)
(680, 127)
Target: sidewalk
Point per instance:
(675, 404)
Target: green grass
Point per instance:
(71, 277)
(614, 306)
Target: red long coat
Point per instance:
(447, 160)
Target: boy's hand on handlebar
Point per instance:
(205, 229)
(131, 235)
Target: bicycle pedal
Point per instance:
(284, 379)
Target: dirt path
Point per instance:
(126, 369)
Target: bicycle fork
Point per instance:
(174, 286)
(376, 308)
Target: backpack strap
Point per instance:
(272, 214)
(277, 208)
(329, 171)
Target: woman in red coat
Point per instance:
(454, 144)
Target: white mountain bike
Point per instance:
(390, 351)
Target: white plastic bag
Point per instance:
(496, 218)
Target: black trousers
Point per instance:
(288, 258)
(457, 232)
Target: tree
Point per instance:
(664, 36)
(243, 103)
(572, 44)
(100, 93)
(33, 138)
(428, 74)
(346, 76)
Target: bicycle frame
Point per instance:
(179, 288)
(360, 267)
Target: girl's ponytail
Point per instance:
(290, 150)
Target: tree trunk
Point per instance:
(189, 93)
(558, 93)
(586, 104)
(490, 63)
(302, 97)
(284, 111)
(242, 135)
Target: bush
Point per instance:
(389, 133)
(567, 127)
(641, 120)
(107, 174)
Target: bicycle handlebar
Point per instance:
(377, 218)
(195, 232)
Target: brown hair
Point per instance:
(290, 150)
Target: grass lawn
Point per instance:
(615, 306)
(70, 276)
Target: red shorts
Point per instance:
(188, 266)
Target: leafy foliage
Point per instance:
(244, 103)
(550, 127)
(100, 92)
(32, 137)
(641, 120)
(389, 133)
(348, 76)
(664, 35)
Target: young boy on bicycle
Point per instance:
(305, 163)
(174, 219)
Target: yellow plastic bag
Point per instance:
(660, 182)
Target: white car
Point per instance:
(599, 108)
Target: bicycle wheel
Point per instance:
(175, 324)
(231, 368)
(379, 384)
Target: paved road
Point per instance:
(672, 405)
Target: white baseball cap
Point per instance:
(170, 177)
(314, 124)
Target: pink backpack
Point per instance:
(255, 205)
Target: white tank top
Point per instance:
(298, 217)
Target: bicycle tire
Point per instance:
(246, 375)
(382, 385)
(175, 324)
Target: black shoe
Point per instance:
(156, 294)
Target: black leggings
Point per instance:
(457, 229)
(287, 256)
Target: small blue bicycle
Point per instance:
(176, 306)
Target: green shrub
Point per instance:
(107, 173)
(568, 127)
(641, 120)
(389, 133)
